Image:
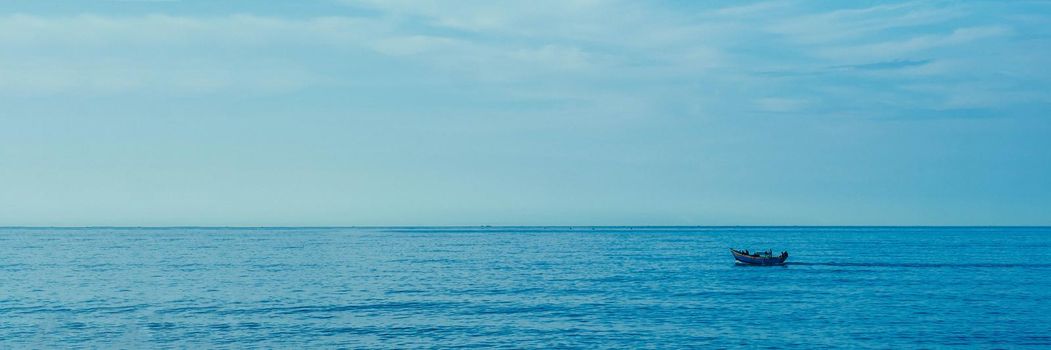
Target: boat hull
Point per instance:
(758, 260)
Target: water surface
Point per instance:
(523, 287)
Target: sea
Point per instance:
(524, 288)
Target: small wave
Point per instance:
(919, 265)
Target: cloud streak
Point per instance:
(763, 54)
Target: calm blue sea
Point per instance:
(523, 287)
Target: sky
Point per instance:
(567, 112)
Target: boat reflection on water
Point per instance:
(759, 258)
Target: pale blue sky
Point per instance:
(528, 112)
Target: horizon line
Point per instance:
(506, 226)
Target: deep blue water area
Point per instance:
(524, 287)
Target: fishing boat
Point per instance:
(759, 258)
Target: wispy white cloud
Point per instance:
(910, 46)
(780, 104)
(593, 50)
(95, 76)
(844, 25)
(239, 30)
(105, 54)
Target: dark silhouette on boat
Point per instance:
(759, 258)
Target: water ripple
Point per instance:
(523, 287)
